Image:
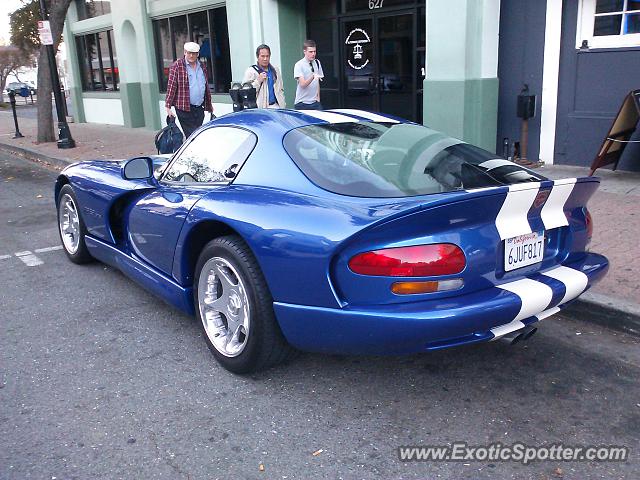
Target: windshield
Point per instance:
(395, 160)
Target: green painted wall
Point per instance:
(466, 109)
(461, 86)
(73, 71)
(293, 29)
(132, 109)
(245, 34)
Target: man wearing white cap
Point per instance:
(188, 90)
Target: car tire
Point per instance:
(71, 228)
(235, 308)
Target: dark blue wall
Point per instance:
(520, 61)
(593, 84)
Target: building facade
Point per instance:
(456, 65)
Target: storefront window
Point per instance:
(208, 28)
(98, 61)
(92, 8)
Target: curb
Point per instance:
(34, 155)
(612, 313)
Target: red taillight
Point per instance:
(589, 222)
(416, 261)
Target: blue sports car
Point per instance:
(338, 231)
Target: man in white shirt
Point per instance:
(308, 73)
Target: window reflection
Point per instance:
(210, 154)
(92, 8)
(98, 61)
(208, 28)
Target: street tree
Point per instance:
(24, 35)
(24, 27)
(11, 59)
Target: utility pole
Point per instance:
(64, 134)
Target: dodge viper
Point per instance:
(339, 231)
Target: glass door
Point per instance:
(396, 90)
(360, 76)
(378, 62)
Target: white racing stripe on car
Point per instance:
(368, 115)
(512, 217)
(553, 211)
(29, 259)
(495, 163)
(534, 297)
(547, 313)
(330, 116)
(575, 282)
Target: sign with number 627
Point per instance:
(373, 4)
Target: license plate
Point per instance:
(523, 250)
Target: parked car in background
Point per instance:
(16, 88)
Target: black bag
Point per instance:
(169, 139)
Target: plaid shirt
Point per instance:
(178, 87)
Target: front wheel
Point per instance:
(235, 308)
(71, 227)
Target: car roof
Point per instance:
(281, 121)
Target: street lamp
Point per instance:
(64, 134)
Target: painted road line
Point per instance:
(29, 259)
(4, 257)
(48, 249)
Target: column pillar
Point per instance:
(135, 49)
(461, 84)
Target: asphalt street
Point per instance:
(101, 380)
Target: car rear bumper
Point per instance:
(434, 324)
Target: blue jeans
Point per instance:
(308, 106)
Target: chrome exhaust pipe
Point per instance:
(529, 332)
(520, 335)
(512, 338)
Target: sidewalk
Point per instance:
(614, 207)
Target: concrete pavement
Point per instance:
(613, 302)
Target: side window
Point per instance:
(212, 153)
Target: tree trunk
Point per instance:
(57, 12)
(45, 116)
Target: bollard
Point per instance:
(12, 99)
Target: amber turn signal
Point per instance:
(413, 288)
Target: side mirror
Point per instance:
(137, 168)
(231, 171)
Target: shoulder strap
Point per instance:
(256, 68)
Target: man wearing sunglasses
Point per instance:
(308, 73)
(188, 90)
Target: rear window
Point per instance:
(395, 160)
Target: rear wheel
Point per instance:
(235, 308)
(71, 227)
